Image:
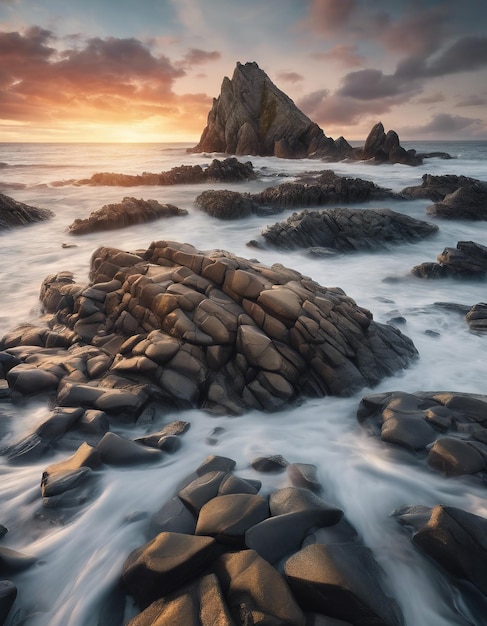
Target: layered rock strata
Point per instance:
(14, 213)
(345, 230)
(196, 329)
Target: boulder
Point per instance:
(8, 593)
(252, 116)
(128, 212)
(465, 203)
(225, 205)
(476, 317)
(14, 213)
(342, 581)
(437, 187)
(346, 230)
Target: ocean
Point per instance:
(80, 561)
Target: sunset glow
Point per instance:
(149, 71)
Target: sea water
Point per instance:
(80, 558)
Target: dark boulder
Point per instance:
(8, 593)
(466, 203)
(437, 187)
(252, 116)
(476, 317)
(128, 212)
(346, 230)
(14, 213)
(226, 205)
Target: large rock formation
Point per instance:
(253, 116)
(14, 213)
(195, 329)
(467, 260)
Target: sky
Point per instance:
(148, 70)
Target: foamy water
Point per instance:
(80, 560)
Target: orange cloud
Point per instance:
(109, 81)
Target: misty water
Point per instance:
(79, 559)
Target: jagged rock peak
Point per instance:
(252, 116)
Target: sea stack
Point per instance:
(252, 116)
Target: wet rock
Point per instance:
(456, 540)
(14, 213)
(164, 564)
(186, 328)
(455, 457)
(128, 212)
(255, 591)
(342, 581)
(298, 499)
(215, 463)
(8, 593)
(201, 490)
(315, 619)
(200, 603)
(467, 260)
(167, 438)
(477, 317)
(25, 380)
(116, 450)
(437, 187)
(325, 188)
(468, 203)
(346, 230)
(270, 464)
(226, 205)
(12, 561)
(173, 516)
(304, 475)
(228, 517)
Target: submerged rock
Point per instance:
(14, 213)
(203, 329)
(128, 212)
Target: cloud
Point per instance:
(417, 32)
(446, 125)
(372, 84)
(326, 109)
(472, 101)
(345, 55)
(198, 57)
(432, 99)
(465, 54)
(290, 77)
(328, 15)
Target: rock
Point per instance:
(255, 591)
(185, 328)
(14, 213)
(164, 564)
(8, 593)
(455, 457)
(342, 581)
(299, 499)
(116, 450)
(437, 187)
(270, 464)
(228, 517)
(128, 212)
(201, 490)
(325, 188)
(216, 463)
(12, 561)
(477, 317)
(385, 148)
(346, 230)
(226, 205)
(174, 517)
(456, 540)
(200, 603)
(227, 171)
(253, 116)
(466, 203)
(467, 260)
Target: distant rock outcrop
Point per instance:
(229, 170)
(14, 213)
(385, 148)
(128, 212)
(345, 230)
(467, 260)
(252, 116)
